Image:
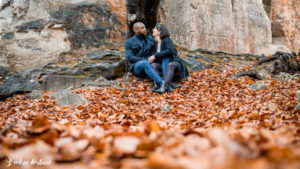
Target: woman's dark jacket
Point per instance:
(167, 49)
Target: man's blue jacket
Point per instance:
(139, 48)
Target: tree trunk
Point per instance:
(141, 10)
(279, 62)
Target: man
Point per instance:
(137, 50)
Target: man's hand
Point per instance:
(151, 59)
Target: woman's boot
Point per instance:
(155, 87)
(163, 88)
(174, 85)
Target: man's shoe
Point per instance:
(174, 85)
(155, 87)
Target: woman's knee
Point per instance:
(171, 64)
(155, 65)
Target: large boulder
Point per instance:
(13, 83)
(201, 59)
(58, 82)
(232, 26)
(65, 97)
(35, 33)
(285, 20)
(195, 65)
(108, 64)
(67, 72)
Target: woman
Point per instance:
(166, 59)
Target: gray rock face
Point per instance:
(86, 24)
(77, 72)
(108, 55)
(34, 33)
(66, 97)
(57, 82)
(231, 26)
(12, 83)
(285, 17)
(100, 82)
(195, 65)
(35, 94)
(3, 72)
(108, 64)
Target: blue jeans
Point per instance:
(144, 66)
(161, 64)
(164, 65)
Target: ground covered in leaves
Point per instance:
(211, 122)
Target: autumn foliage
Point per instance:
(211, 122)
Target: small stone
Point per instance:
(297, 108)
(36, 94)
(272, 107)
(298, 95)
(66, 97)
(257, 86)
(165, 108)
(55, 83)
(128, 77)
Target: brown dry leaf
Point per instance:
(39, 124)
(280, 136)
(12, 140)
(277, 153)
(70, 150)
(163, 161)
(75, 132)
(134, 164)
(125, 145)
(151, 126)
(36, 151)
(94, 133)
(3, 152)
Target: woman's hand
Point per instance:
(151, 59)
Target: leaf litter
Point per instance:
(212, 122)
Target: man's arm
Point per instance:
(153, 49)
(129, 53)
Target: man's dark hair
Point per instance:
(163, 31)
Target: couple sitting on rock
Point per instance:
(147, 55)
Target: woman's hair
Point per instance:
(163, 31)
